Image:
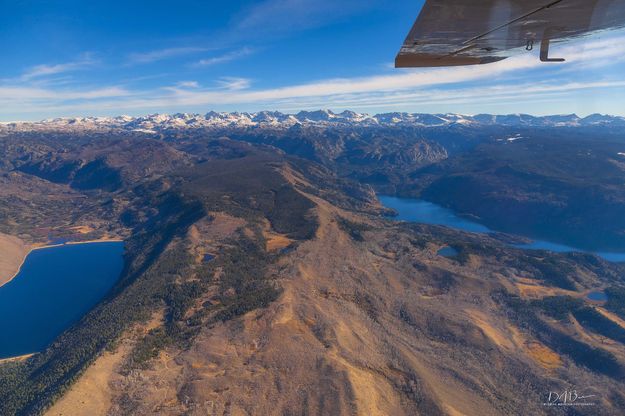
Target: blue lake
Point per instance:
(597, 296)
(416, 210)
(447, 252)
(55, 287)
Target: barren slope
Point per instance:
(369, 326)
(12, 253)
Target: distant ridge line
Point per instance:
(155, 123)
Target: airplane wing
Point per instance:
(470, 32)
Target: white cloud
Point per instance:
(234, 83)
(513, 80)
(360, 86)
(278, 16)
(227, 57)
(188, 84)
(44, 70)
(162, 54)
(26, 94)
(495, 94)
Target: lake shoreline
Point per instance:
(421, 211)
(12, 253)
(16, 358)
(54, 289)
(34, 247)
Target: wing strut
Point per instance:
(544, 51)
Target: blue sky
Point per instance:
(78, 58)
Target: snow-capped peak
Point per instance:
(155, 123)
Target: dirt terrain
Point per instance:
(264, 280)
(12, 254)
(92, 394)
(370, 331)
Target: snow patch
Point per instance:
(511, 138)
(146, 131)
(155, 123)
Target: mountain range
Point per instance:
(322, 118)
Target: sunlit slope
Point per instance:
(369, 320)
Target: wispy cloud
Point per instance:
(277, 16)
(33, 95)
(371, 84)
(481, 95)
(162, 54)
(188, 84)
(226, 57)
(234, 83)
(46, 70)
(518, 79)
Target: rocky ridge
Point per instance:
(322, 118)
